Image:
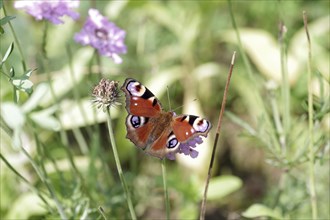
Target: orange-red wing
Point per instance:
(142, 107)
(186, 127)
(140, 100)
(139, 136)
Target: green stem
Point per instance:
(277, 122)
(99, 65)
(76, 93)
(252, 84)
(44, 40)
(48, 185)
(310, 125)
(119, 169)
(167, 201)
(34, 189)
(82, 143)
(285, 85)
(16, 39)
(16, 97)
(102, 213)
(63, 134)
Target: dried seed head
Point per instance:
(106, 94)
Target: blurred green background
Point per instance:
(262, 165)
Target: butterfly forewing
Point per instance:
(140, 100)
(186, 127)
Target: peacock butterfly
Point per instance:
(154, 130)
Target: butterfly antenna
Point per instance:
(168, 98)
(183, 105)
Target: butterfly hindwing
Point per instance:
(166, 143)
(138, 130)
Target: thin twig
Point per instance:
(203, 206)
(310, 124)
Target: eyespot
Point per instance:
(135, 121)
(172, 142)
(136, 89)
(201, 125)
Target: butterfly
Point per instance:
(154, 130)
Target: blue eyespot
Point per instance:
(173, 142)
(135, 121)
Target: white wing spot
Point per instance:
(201, 125)
(136, 89)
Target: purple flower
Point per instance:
(103, 35)
(49, 10)
(186, 148)
(170, 156)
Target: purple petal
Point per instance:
(103, 35)
(49, 10)
(184, 148)
(170, 156)
(193, 153)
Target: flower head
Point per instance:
(106, 94)
(186, 148)
(49, 10)
(103, 35)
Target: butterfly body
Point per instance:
(154, 130)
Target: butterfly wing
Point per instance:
(138, 130)
(140, 100)
(181, 129)
(160, 147)
(141, 105)
(186, 127)
(155, 131)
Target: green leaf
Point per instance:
(27, 74)
(223, 186)
(259, 210)
(12, 115)
(35, 98)
(206, 70)
(45, 119)
(12, 72)
(5, 20)
(23, 85)
(8, 52)
(29, 199)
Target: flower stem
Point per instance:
(167, 201)
(119, 169)
(285, 85)
(43, 176)
(310, 125)
(16, 40)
